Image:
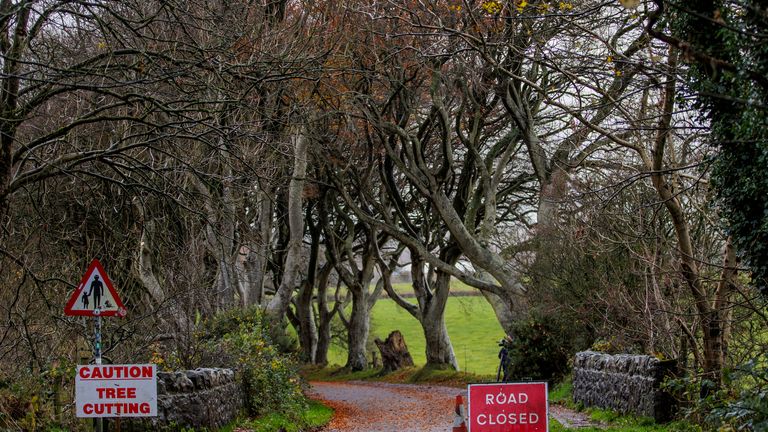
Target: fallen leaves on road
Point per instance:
(369, 407)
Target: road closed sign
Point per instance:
(116, 391)
(508, 407)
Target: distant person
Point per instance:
(97, 289)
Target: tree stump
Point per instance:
(394, 352)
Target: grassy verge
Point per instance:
(316, 416)
(414, 375)
(628, 426)
(561, 393)
(612, 422)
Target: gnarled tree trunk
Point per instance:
(257, 255)
(357, 330)
(304, 311)
(278, 306)
(430, 311)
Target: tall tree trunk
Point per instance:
(359, 322)
(220, 232)
(255, 265)
(226, 284)
(362, 303)
(551, 194)
(710, 309)
(325, 316)
(9, 93)
(430, 311)
(715, 325)
(308, 336)
(505, 310)
(439, 349)
(357, 331)
(432, 302)
(144, 267)
(304, 311)
(278, 306)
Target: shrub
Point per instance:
(34, 401)
(240, 339)
(542, 348)
(748, 411)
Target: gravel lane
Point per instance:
(383, 407)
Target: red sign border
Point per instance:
(469, 399)
(95, 265)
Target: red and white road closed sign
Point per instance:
(116, 391)
(509, 407)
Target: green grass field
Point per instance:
(457, 286)
(472, 327)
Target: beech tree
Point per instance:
(526, 113)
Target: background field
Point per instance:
(472, 327)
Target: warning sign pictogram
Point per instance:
(95, 296)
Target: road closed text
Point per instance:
(508, 407)
(116, 391)
(510, 419)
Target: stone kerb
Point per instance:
(625, 383)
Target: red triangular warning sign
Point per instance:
(95, 296)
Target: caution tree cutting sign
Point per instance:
(95, 295)
(116, 391)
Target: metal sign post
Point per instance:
(97, 344)
(97, 357)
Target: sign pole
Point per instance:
(97, 346)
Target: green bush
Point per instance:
(34, 401)
(542, 348)
(240, 339)
(747, 411)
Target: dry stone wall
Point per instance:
(625, 383)
(200, 398)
